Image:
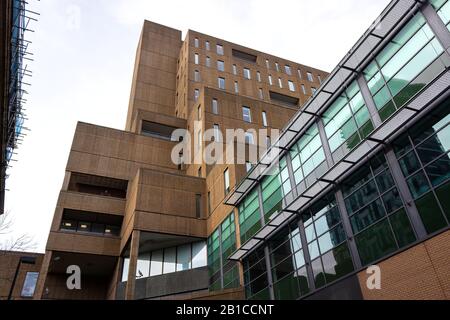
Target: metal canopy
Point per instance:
(357, 58)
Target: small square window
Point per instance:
(246, 114)
(220, 65)
(220, 49)
(291, 86)
(247, 74)
(221, 83)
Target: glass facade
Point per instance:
(443, 9)
(347, 122)
(423, 153)
(249, 216)
(376, 211)
(223, 274)
(308, 159)
(405, 66)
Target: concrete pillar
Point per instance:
(40, 286)
(134, 253)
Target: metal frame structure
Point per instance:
(394, 17)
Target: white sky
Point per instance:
(84, 56)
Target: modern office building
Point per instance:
(359, 175)
(14, 23)
(137, 224)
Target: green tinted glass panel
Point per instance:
(430, 213)
(402, 228)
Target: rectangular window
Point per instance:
(196, 76)
(234, 69)
(220, 65)
(248, 166)
(320, 79)
(156, 263)
(209, 203)
(300, 73)
(208, 62)
(196, 42)
(215, 106)
(207, 45)
(313, 90)
(247, 74)
(196, 94)
(277, 67)
(236, 87)
(291, 86)
(184, 257)
(288, 70)
(249, 139)
(196, 59)
(264, 118)
(199, 172)
(226, 177)
(169, 260)
(221, 83)
(261, 93)
(216, 132)
(303, 89)
(280, 83)
(199, 255)
(199, 140)
(310, 77)
(258, 76)
(249, 216)
(270, 80)
(220, 50)
(268, 142)
(29, 285)
(246, 114)
(198, 202)
(199, 113)
(267, 64)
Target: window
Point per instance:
(216, 132)
(249, 139)
(198, 202)
(406, 65)
(376, 211)
(258, 76)
(221, 83)
(249, 216)
(313, 90)
(267, 64)
(277, 67)
(184, 257)
(270, 80)
(424, 156)
(208, 62)
(170, 259)
(261, 93)
(226, 178)
(207, 46)
(234, 69)
(347, 122)
(196, 76)
(199, 140)
(236, 87)
(280, 83)
(443, 8)
(248, 166)
(220, 65)
(209, 203)
(246, 114)
(196, 59)
(198, 255)
(220, 49)
(291, 86)
(221, 244)
(299, 73)
(303, 89)
(247, 74)
(320, 79)
(156, 263)
(264, 118)
(199, 113)
(196, 42)
(199, 172)
(310, 77)
(196, 94)
(308, 158)
(29, 285)
(215, 106)
(268, 142)
(287, 69)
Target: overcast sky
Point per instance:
(84, 56)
